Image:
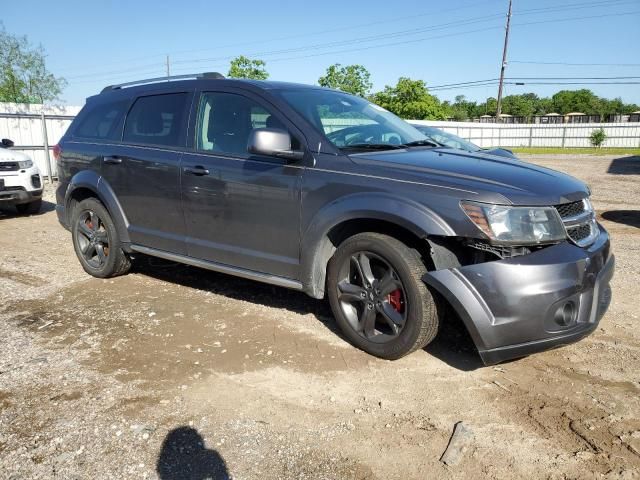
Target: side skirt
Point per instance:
(220, 267)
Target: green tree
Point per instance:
(24, 77)
(243, 67)
(520, 105)
(583, 100)
(598, 137)
(544, 106)
(461, 109)
(351, 79)
(410, 99)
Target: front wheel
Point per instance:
(378, 297)
(96, 242)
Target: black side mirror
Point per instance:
(273, 142)
(6, 143)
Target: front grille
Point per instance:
(570, 209)
(9, 166)
(578, 234)
(579, 221)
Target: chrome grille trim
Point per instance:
(579, 221)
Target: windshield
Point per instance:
(447, 139)
(351, 122)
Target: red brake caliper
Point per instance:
(395, 300)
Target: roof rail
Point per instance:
(205, 75)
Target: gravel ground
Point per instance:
(172, 372)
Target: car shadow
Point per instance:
(236, 288)
(183, 456)
(11, 212)
(627, 217)
(452, 345)
(625, 166)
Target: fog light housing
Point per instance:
(566, 314)
(35, 181)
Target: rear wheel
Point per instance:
(378, 297)
(96, 241)
(30, 208)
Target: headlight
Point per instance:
(516, 225)
(25, 164)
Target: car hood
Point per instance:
(487, 177)
(8, 155)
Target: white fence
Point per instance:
(625, 135)
(23, 124)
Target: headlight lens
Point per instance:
(516, 225)
(25, 164)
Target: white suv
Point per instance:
(20, 180)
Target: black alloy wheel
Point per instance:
(92, 239)
(372, 297)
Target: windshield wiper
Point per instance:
(421, 143)
(372, 146)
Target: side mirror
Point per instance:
(6, 143)
(273, 142)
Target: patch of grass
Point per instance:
(584, 151)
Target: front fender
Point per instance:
(90, 180)
(317, 248)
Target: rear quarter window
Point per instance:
(102, 121)
(157, 120)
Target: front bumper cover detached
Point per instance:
(527, 304)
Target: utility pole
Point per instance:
(168, 68)
(504, 64)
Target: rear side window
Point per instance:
(102, 121)
(156, 120)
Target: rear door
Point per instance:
(240, 209)
(144, 171)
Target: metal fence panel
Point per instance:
(625, 135)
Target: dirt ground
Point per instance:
(172, 372)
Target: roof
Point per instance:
(205, 77)
(575, 113)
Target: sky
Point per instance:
(96, 43)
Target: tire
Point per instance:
(96, 242)
(406, 319)
(31, 208)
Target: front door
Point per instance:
(241, 210)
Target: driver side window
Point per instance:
(225, 121)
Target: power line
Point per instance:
(398, 43)
(491, 84)
(576, 18)
(578, 64)
(307, 34)
(381, 45)
(318, 46)
(574, 6)
(358, 49)
(462, 22)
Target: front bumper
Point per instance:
(20, 186)
(514, 307)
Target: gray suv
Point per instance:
(316, 190)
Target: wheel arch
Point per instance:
(403, 219)
(88, 184)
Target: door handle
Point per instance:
(198, 170)
(112, 160)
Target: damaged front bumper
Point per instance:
(526, 304)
